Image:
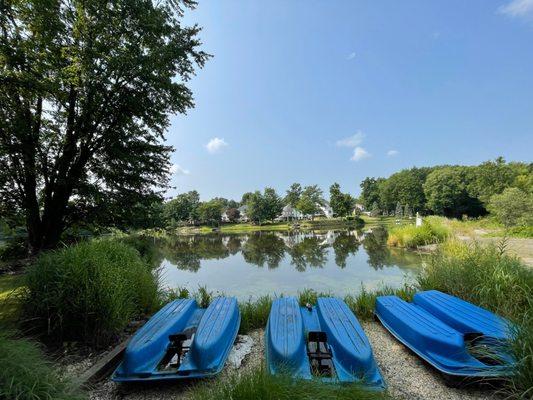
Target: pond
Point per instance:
(254, 264)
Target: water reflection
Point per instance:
(269, 249)
(254, 264)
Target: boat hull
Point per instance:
(439, 328)
(289, 335)
(204, 337)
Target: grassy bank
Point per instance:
(10, 287)
(260, 385)
(433, 230)
(316, 224)
(26, 374)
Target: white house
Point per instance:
(225, 217)
(326, 209)
(290, 213)
(243, 217)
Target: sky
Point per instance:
(318, 92)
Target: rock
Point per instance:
(242, 347)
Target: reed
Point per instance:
(88, 292)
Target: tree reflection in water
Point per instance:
(303, 249)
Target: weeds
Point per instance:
(27, 375)
(259, 385)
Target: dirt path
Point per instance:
(522, 248)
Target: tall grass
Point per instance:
(432, 231)
(257, 384)
(25, 374)
(489, 277)
(364, 303)
(88, 292)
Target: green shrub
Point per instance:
(257, 384)
(89, 292)
(27, 375)
(487, 276)
(432, 231)
(14, 249)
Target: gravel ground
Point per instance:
(406, 375)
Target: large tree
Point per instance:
(264, 206)
(341, 203)
(86, 90)
(293, 195)
(183, 207)
(446, 190)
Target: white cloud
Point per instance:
(215, 145)
(392, 153)
(351, 141)
(175, 169)
(517, 8)
(359, 154)
(351, 56)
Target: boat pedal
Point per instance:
(319, 353)
(180, 344)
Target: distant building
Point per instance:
(225, 217)
(243, 216)
(290, 213)
(326, 210)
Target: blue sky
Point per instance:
(322, 91)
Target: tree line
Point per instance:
(186, 208)
(496, 187)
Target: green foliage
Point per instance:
(88, 292)
(86, 95)
(264, 206)
(310, 296)
(370, 194)
(27, 375)
(182, 208)
(452, 191)
(513, 207)
(310, 200)
(341, 203)
(293, 195)
(258, 384)
(492, 177)
(210, 212)
(405, 186)
(446, 190)
(431, 231)
(14, 248)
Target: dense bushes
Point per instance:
(26, 375)
(89, 292)
(431, 231)
(488, 277)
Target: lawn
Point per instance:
(9, 304)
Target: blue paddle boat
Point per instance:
(456, 337)
(181, 341)
(325, 342)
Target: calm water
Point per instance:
(280, 262)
